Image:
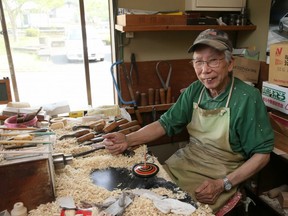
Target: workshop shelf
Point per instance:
(140, 28)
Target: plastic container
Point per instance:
(19, 210)
(11, 122)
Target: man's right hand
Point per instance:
(115, 143)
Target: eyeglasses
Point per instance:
(213, 63)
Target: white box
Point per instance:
(275, 96)
(214, 5)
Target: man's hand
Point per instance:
(115, 143)
(209, 191)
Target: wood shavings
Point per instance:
(74, 180)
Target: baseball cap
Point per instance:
(215, 38)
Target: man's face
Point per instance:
(212, 69)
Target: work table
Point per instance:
(74, 179)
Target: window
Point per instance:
(48, 62)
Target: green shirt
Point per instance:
(250, 128)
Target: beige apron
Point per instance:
(208, 154)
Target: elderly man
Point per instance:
(230, 134)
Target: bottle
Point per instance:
(244, 16)
(19, 209)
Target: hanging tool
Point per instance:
(165, 94)
(133, 67)
(165, 84)
(129, 85)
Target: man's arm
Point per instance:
(249, 168)
(146, 134)
(209, 191)
(117, 143)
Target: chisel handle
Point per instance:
(85, 137)
(168, 95)
(157, 97)
(129, 124)
(150, 96)
(162, 96)
(130, 129)
(76, 134)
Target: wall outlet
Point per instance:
(129, 34)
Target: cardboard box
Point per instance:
(278, 66)
(246, 69)
(144, 20)
(275, 96)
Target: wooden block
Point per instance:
(283, 199)
(28, 180)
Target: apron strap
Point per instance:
(229, 96)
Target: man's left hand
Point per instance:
(209, 191)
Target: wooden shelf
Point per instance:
(182, 28)
(149, 108)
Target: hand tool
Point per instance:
(95, 148)
(123, 131)
(98, 146)
(29, 136)
(150, 96)
(128, 124)
(114, 126)
(28, 117)
(7, 142)
(11, 128)
(143, 99)
(166, 84)
(162, 96)
(133, 67)
(157, 97)
(86, 137)
(128, 81)
(76, 134)
(97, 126)
(137, 97)
(9, 147)
(168, 95)
(39, 131)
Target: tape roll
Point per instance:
(59, 119)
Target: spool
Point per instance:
(145, 170)
(19, 209)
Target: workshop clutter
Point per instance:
(278, 66)
(280, 193)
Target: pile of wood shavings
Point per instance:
(74, 180)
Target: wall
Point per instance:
(173, 45)
(260, 17)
